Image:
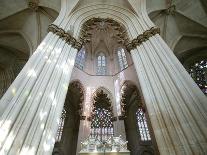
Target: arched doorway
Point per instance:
(137, 126)
(67, 134)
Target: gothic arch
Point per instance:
(105, 91)
(128, 88)
(66, 142)
(134, 113)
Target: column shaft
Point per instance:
(29, 121)
(175, 104)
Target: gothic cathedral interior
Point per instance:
(103, 77)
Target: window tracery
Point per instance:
(142, 125)
(101, 124)
(122, 59)
(198, 72)
(80, 59)
(101, 64)
(61, 125)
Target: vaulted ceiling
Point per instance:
(183, 26)
(23, 25)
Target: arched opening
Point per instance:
(101, 116)
(13, 56)
(137, 126)
(67, 134)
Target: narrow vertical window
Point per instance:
(61, 125)
(198, 72)
(142, 125)
(101, 64)
(80, 59)
(122, 59)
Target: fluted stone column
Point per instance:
(176, 106)
(119, 129)
(32, 106)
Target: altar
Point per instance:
(111, 146)
(104, 153)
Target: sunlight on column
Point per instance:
(13, 91)
(53, 99)
(9, 140)
(117, 96)
(31, 73)
(48, 143)
(65, 68)
(40, 48)
(65, 86)
(52, 95)
(49, 61)
(42, 126)
(88, 103)
(4, 130)
(27, 151)
(42, 115)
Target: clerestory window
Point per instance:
(101, 64)
(122, 59)
(80, 59)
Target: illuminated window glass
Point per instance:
(142, 125)
(101, 125)
(198, 72)
(61, 125)
(101, 118)
(101, 64)
(80, 59)
(122, 59)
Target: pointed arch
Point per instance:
(67, 134)
(134, 113)
(102, 115)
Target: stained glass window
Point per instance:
(61, 125)
(198, 72)
(101, 124)
(142, 125)
(122, 59)
(80, 59)
(101, 64)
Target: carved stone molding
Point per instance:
(121, 32)
(171, 10)
(33, 4)
(65, 36)
(142, 38)
(85, 36)
(82, 117)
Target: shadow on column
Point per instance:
(139, 134)
(67, 135)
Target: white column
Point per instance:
(119, 129)
(84, 132)
(176, 106)
(33, 104)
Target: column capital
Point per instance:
(67, 37)
(142, 38)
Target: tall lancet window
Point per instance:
(142, 125)
(80, 59)
(61, 125)
(122, 59)
(101, 64)
(198, 72)
(102, 125)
